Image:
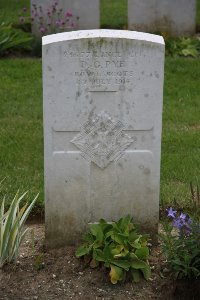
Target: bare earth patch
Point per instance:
(58, 274)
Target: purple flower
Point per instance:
(182, 216)
(24, 9)
(21, 19)
(68, 14)
(72, 24)
(171, 212)
(177, 223)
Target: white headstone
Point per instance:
(87, 11)
(175, 17)
(103, 94)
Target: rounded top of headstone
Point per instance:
(102, 33)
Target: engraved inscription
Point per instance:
(102, 139)
(101, 68)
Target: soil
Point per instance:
(57, 274)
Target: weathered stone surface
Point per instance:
(87, 10)
(103, 92)
(176, 17)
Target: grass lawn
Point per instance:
(113, 12)
(21, 136)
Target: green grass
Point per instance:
(21, 139)
(113, 12)
(181, 126)
(21, 136)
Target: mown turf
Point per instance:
(21, 135)
(181, 128)
(21, 138)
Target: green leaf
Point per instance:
(82, 250)
(136, 274)
(146, 272)
(97, 231)
(116, 274)
(124, 264)
(142, 253)
(138, 264)
(99, 255)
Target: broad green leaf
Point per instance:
(138, 264)
(82, 250)
(142, 253)
(99, 255)
(119, 238)
(89, 238)
(124, 264)
(117, 250)
(116, 274)
(136, 274)
(146, 272)
(97, 231)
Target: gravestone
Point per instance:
(87, 11)
(103, 94)
(175, 17)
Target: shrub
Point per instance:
(12, 229)
(12, 39)
(119, 247)
(187, 47)
(50, 20)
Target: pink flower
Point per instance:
(58, 23)
(42, 29)
(72, 24)
(24, 9)
(68, 14)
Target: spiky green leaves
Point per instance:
(12, 229)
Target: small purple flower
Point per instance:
(177, 223)
(21, 19)
(24, 9)
(68, 14)
(72, 24)
(182, 216)
(171, 212)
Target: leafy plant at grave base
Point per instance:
(12, 39)
(181, 244)
(12, 230)
(50, 20)
(119, 247)
(183, 47)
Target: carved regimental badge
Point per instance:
(102, 140)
